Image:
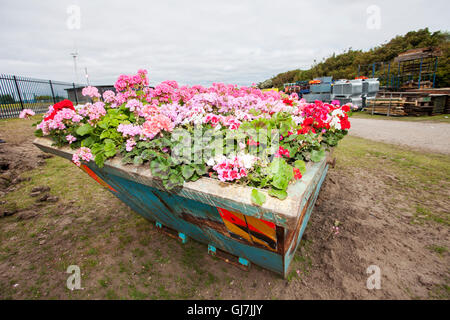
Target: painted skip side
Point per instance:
(262, 236)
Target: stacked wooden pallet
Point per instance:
(440, 103)
(421, 106)
(394, 106)
(411, 103)
(447, 106)
(415, 84)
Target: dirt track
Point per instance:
(428, 136)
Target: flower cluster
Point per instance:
(59, 116)
(26, 113)
(90, 92)
(282, 152)
(234, 168)
(109, 96)
(132, 82)
(155, 125)
(138, 122)
(129, 130)
(70, 138)
(82, 154)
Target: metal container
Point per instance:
(218, 214)
(356, 87)
(357, 101)
(342, 88)
(370, 87)
(320, 88)
(325, 79)
(310, 98)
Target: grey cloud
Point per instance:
(196, 42)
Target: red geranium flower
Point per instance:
(345, 108)
(282, 152)
(288, 102)
(297, 174)
(59, 106)
(345, 124)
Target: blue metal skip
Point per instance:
(266, 236)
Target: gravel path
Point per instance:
(429, 136)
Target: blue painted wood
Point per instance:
(294, 245)
(244, 262)
(183, 237)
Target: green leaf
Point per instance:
(85, 129)
(114, 123)
(201, 169)
(39, 133)
(159, 169)
(138, 160)
(105, 134)
(87, 142)
(258, 198)
(280, 182)
(103, 124)
(97, 148)
(300, 165)
(148, 154)
(175, 180)
(187, 171)
(317, 155)
(280, 194)
(109, 148)
(100, 160)
(276, 165)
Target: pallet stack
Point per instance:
(418, 103)
(421, 106)
(414, 85)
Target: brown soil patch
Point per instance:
(121, 255)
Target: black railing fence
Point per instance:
(18, 93)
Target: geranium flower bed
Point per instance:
(234, 134)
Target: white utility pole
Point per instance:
(87, 76)
(75, 55)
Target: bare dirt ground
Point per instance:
(429, 136)
(391, 204)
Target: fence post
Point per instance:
(18, 92)
(75, 92)
(435, 69)
(389, 108)
(53, 93)
(420, 71)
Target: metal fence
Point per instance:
(18, 93)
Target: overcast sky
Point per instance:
(197, 42)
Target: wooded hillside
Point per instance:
(345, 65)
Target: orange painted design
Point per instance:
(233, 217)
(96, 178)
(235, 223)
(249, 228)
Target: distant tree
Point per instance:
(44, 98)
(6, 99)
(345, 65)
